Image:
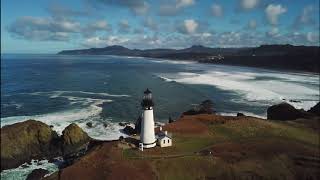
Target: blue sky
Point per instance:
(48, 26)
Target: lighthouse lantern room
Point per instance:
(147, 135)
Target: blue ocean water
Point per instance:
(58, 90)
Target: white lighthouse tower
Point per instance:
(147, 136)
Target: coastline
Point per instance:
(276, 69)
(188, 124)
(277, 56)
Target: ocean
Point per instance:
(60, 89)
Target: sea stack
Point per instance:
(147, 136)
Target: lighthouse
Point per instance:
(147, 136)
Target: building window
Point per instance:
(168, 140)
(164, 141)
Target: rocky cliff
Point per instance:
(22, 142)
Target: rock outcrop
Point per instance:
(27, 140)
(73, 139)
(285, 111)
(206, 107)
(37, 174)
(129, 130)
(24, 141)
(89, 124)
(170, 120)
(315, 109)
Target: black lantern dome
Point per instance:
(147, 102)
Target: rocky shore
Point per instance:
(198, 134)
(31, 139)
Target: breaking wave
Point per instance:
(103, 128)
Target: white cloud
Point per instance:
(150, 23)
(95, 42)
(43, 29)
(252, 24)
(307, 17)
(102, 42)
(124, 26)
(173, 8)
(313, 37)
(184, 3)
(273, 32)
(306, 14)
(61, 11)
(249, 4)
(102, 24)
(91, 28)
(190, 26)
(216, 10)
(139, 7)
(273, 11)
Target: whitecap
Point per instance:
(21, 172)
(263, 88)
(172, 61)
(89, 113)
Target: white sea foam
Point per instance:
(62, 119)
(90, 113)
(12, 104)
(165, 79)
(54, 94)
(24, 170)
(172, 61)
(264, 87)
(244, 112)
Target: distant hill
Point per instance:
(301, 58)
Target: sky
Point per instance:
(48, 26)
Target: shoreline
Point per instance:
(187, 123)
(277, 69)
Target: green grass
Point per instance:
(252, 165)
(189, 144)
(235, 131)
(130, 153)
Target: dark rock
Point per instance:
(315, 109)
(37, 174)
(89, 124)
(22, 142)
(105, 125)
(129, 130)
(137, 126)
(296, 101)
(74, 139)
(205, 152)
(171, 120)
(240, 114)
(123, 123)
(121, 138)
(51, 126)
(285, 111)
(25, 166)
(206, 107)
